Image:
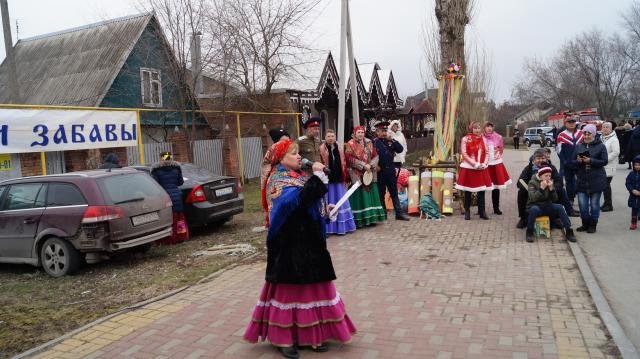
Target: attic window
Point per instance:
(151, 87)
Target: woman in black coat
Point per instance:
(591, 157)
(169, 175)
(299, 305)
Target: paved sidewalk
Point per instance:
(423, 289)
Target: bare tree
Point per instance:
(181, 21)
(267, 40)
(444, 41)
(591, 70)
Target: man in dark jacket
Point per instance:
(387, 148)
(566, 143)
(536, 161)
(542, 196)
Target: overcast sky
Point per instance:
(387, 31)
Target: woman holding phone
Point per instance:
(591, 177)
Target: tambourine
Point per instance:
(367, 178)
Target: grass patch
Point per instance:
(35, 308)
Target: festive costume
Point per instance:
(333, 158)
(298, 304)
(473, 175)
(497, 171)
(365, 202)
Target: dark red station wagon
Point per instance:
(59, 221)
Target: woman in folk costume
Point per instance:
(168, 174)
(362, 158)
(299, 306)
(395, 130)
(333, 157)
(473, 175)
(276, 135)
(497, 171)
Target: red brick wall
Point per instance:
(30, 163)
(180, 147)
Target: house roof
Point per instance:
(75, 66)
(425, 107)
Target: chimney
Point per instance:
(196, 62)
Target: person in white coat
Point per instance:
(610, 141)
(395, 132)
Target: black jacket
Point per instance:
(592, 177)
(297, 253)
(528, 172)
(169, 175)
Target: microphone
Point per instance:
(309, 164)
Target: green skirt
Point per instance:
(366, 206)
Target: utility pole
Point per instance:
(346, 43)
(342, 81)
(352, 72)
(8, 46)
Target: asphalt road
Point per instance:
(613, 253)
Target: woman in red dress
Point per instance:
(497, 171)
(473, 175)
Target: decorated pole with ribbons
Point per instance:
(449, 91)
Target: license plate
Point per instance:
(144, 218)
(224, 191)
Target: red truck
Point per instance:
(586, 116)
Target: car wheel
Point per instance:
(549, 143)
(527, 143)
(58, 257)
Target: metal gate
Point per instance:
(152, 153)
(55, 162)
(252, 155)
(208, 154)
(10, 166)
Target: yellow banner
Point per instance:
(5, 162)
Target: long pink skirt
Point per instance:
(299, 314)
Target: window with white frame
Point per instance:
(151, 87)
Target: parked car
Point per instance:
(532, 135)
(209, 199)
(57, 221)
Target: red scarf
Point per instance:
(475, 143)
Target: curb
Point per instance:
(52, 342)
(626, 348)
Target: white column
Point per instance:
(342, 82)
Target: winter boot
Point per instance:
(400, 215)
(481, 211)
(529, 236)
(634, 223)
(522, 223)
(495, 198)
(592, 226)
(584, 226)
(467, 205)
(569, 236)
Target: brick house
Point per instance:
(124, 63)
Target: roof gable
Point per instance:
(75, 66)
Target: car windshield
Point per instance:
(129, 187)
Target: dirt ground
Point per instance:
(35, 308)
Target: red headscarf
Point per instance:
(358, 128)
(280, 149)
(475, 142)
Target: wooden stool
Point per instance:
(542, 228)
